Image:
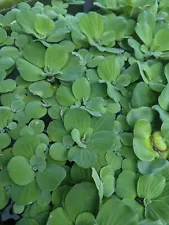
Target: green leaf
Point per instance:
(24, 195)
(140, 113)
(118, 25)
(10, 51)
(83, 157)
(113, 93)
(5, 157)
(51, 177)
(154, 211)
(5, 180)
(101, 141)
(126, 185)
(99, 184)
(150, 222)
(96, 105)
(86, 197)
(44, 25)
(92, 75)
(75, 134)
(37, 126)
(34, 52)
(56, 130)
(136, 47)
(3, 75)
(81, 89)
(28, 71)
(67, 141)
(105, 122)
(42, 88)
(58, 34)
(132, 72)
(107, 171)
(3, 35)
(44, 138)
(98, 89)
(35, 109)
(165, 195)
(129, 164)
(142, 143)
(77, 118)
(135, 206)
(140, 127)
(59, 194)
(59, 216)
(153, 166)
(25, 146)
(7, 85)
(41, 149)
(79, 174)
(143, 149)
(127, 138)
(108, 185)
(72, 69)
(163, 98)
(38, 163)
(150, 186)
(85, 218)
(26, 131)
(109, 68)
(64, 96)
(145, 26)
(6, 116)
(56, 58)
(26, 18)
(154, 71)
(54, 111)
(21, 117)
(25, 221)
(58, 152)
(160, 41)
(35, 210)
(166, 71)
(5, 140)
(122, 215)
(17, 167)
(92, 25)
(6, 62)
(148, 97)
(3, 198)
(164, 116)
(18, 209)
(17, 105)
(114, 160)
(44, 199)
(124, 80)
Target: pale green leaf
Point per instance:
(81, 89)
(77, 118)
(150, 186)
(86, 197)
(51, 177)
(44, 25)
(17, 167)
(56, 58)
(109, 68)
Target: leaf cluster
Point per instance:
(84, 113)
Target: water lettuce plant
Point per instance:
(84, 113)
